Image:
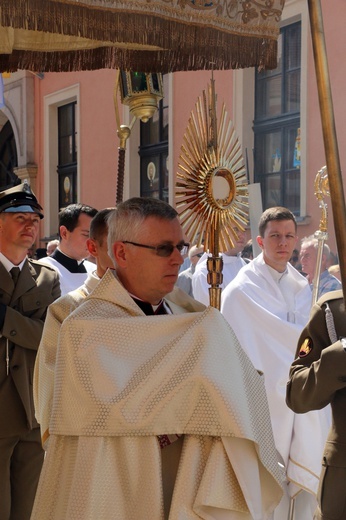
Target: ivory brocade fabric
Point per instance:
(44, 371)
(145, 35)
(121, 379)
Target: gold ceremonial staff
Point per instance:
(321, 190)
(329, 133)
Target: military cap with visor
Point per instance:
(19, 199)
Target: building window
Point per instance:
(277, 125)
(153, 151)
(67, 154)
(8, 157)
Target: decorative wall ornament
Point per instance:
(151, 172)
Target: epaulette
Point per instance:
(324, 301)
(331, 295)
(333, 337)
(38, 263)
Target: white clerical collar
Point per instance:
(8, 264)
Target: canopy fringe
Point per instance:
(190, 46)
(240, 55)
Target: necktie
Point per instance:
(15, 272)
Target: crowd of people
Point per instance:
(147, 402)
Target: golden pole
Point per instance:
(215, 267)
(123, 132)
(321, 189)
(215, 262)
(329, 132)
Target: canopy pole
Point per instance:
(329, 132)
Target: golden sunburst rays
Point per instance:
(211, 190)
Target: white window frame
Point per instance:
(50, 145)
(244, 99)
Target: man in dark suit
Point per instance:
(26, 290)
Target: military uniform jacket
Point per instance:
(27, 303)
(317, 378)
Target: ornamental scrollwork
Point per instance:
(247, 10)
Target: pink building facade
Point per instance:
(34, 109)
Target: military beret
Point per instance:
(19, 199)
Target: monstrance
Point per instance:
(211, 191)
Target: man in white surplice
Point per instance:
(69, 258)
(157, 412)
(267, 305)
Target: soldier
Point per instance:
(318, 378)
(27, 288)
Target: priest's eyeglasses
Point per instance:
(164, 250)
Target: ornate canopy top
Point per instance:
(146, 35)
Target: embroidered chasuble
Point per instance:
(122, 379)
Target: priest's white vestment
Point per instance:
(200, 286)
(121, 379)
(258, 312)
(68, 281)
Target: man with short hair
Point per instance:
(69, 257)
(61, 309)
(267, 305)
(308, 260)
(51, 246)
(26, 290)
(147, 380)
(185, 277)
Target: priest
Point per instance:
(157, 412)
